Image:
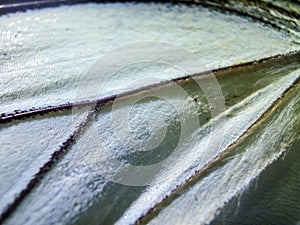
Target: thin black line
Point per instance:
(31, 113)
(94, 108)
(47, 166)
(96, 103)
(178, 190)
(16, 6)
(224, 5)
